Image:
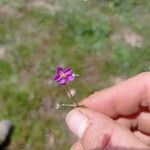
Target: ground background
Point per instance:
(105, 41)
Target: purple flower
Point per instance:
(63, 75)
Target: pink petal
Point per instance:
(56, 77)
(59, 70)
(68, 71)
(62, 81)
(70, 78)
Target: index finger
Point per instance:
(126, 98)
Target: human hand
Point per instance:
(115, 118)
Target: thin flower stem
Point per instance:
(58, 106)
(67, 105)
(69, 91)
(67, 87)
(74, 103)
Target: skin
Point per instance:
(119, 117)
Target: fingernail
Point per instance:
(77, 122)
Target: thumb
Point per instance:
(97, 131)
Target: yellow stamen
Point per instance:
(63, 75)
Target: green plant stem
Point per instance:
(72, 98)
(74, 103)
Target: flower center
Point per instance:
(63, 75)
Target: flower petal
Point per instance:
(56, 77)
(70, 78)
(59, 70)
(63, 81)
(68, 71)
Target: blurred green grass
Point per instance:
(103, 41)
